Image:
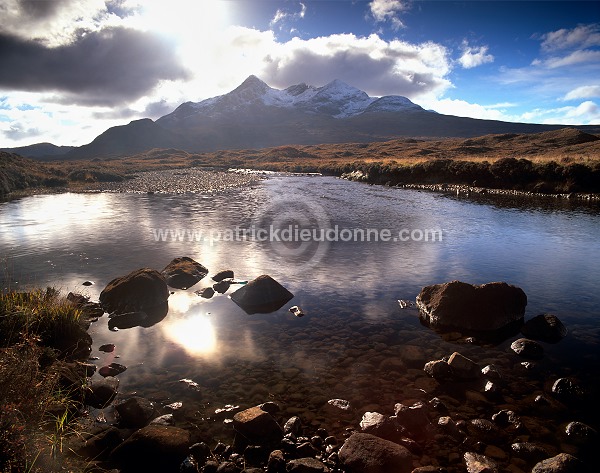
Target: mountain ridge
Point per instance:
(255, 115)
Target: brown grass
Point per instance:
(565, 146)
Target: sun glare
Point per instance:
(185, 20)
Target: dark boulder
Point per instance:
(477, 463)
(529, 452)
(98, 442)
(256, 427)
(415, 421)
(100, 393)
(155, 448)
(545, 327)
(222, 286)
(225, 274)
(366, 453)
(561, 463)
(463, 368)
(262, 295)
(383, 426)
(137, 291)
(135, 412)
(112, 370)
(183, 272)
(478, 308)
(206, 293)
(306, 465)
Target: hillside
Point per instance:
(565, 160)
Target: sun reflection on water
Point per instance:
(196, 334)
(190, 326)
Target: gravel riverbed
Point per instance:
(178, 181)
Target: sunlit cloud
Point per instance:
(583, 92)
(388, 10)
(583, 36)
(473, 56)
(575, 57)
(282, 15)
(587, 113)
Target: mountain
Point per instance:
(40, 150)
(255, 115)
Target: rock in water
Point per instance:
(257, 427)
(183, 272)
(545, 327)
(527, 348)
(139, 290)
(225, 274)
(366, 453)
(561, 463)
(101, 392)
(262, 295)
(477, 463)
(155, 448)
(484, 308)
(206, 293)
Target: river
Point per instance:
(354, 342)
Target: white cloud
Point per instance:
(575, 57)
(586, 113)
(281, 15)
(388, 10)
(583, 92)
(582, 36)
(462, 108)
(474, 56)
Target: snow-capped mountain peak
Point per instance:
(335, 99)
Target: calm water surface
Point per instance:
(355, 342)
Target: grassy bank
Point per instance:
(40, 332)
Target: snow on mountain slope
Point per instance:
(335, 99)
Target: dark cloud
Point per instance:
(376, 76)
(153, 110)
(107, 67)
(37, 9)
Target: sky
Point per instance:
(70, 69)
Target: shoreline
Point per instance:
(153, 182)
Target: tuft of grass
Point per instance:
(37, 411)
(41, 315)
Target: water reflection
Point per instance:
(195, 334)
(354, 342)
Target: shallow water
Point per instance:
(354, 342)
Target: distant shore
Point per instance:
(563, 163)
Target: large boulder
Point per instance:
(261, 295)
(366, 453)
(139, 290)
(479, 308)
(183, 272)
(155, 448)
